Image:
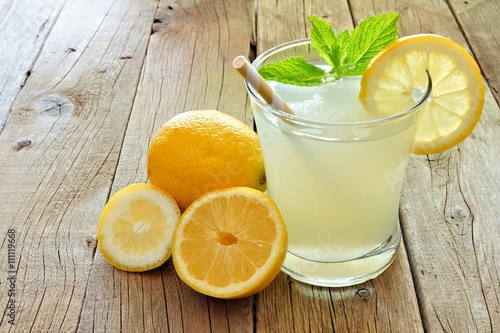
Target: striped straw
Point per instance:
(253, 77)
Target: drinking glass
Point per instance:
(337, 184)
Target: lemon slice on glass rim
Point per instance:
(457, 97)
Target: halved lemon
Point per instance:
(136, 226)
(230, 243)
(396, 75)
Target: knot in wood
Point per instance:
(459, 212)
(364, 294)
(91, 242)
(55, 106)
(161, 19)
(459, 217)
(22, 143)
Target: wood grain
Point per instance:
(454, 241)
(478, 20)
(58, 154)
(24, 26)
(284, 21)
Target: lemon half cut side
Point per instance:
(136, 226)
(457, 98)
(230, 243)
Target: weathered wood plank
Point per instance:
(449, 207)
(478, 20)
(388, 303)
(284, 21)
(24, 26)
(59, 151)
(188, 66)
(455, 240)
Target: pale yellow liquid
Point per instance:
(340, 199)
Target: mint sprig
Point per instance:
(347, 53)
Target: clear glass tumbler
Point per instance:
(337, 184)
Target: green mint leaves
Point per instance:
(347, 53)
(369, 38)
(293, 70)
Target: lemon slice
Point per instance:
(230, 243)
(397, 75)
(136, 226)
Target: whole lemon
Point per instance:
(196, 152)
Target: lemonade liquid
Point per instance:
(339, 199)
(337, 187)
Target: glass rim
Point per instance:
(318, 123)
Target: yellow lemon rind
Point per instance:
(202, 150)
(430, 43)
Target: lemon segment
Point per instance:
(230, 243)
(136, 226)
(397, 76)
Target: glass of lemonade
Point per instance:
(335, 171)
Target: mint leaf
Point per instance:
(296, 71)
(369, 38)
(343, 40)
(324, 41)
(347, 53)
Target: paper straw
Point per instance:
(253, 77)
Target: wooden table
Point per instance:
(84, 85)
